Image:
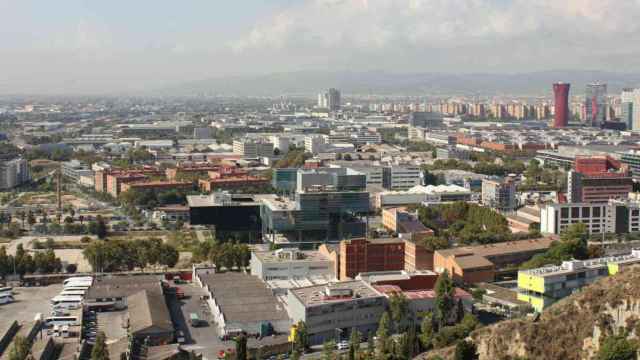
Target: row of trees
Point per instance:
(227, 254)
(42, 262)
(481, 167)
(149, 199)
(127, 255)
(40, 222)
(399, 337)
(573, 244)
(464, 223)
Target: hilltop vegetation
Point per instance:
(600, 322)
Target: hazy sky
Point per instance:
(115, 45)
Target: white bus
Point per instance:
(6, 298)
(76, 288)
(62, 321)
(69, 292)
(66, 302)
(78, 283)
(6, 289)
(88, 279)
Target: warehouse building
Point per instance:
(241, 302)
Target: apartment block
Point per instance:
(597, 179)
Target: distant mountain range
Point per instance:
(308, 83)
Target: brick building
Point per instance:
(474, 264)
(361, 255)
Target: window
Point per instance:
(596, 212)
(575, 212)
(564, 212)
(586, 212)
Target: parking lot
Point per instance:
(29, 301)
(196, 337)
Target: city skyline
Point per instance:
(99, 48)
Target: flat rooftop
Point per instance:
(502, 248)
(317, 295)
(277, 203)
(123, 286)
(284, 255)
(244, 298)
(570, 267)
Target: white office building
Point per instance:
(616, 216)
(290, 264)
(13, 173)
(249, 148)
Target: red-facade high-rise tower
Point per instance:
(561, 96)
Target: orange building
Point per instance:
(200, 169)
(229, 178)
(474, 264)
(361, 255)
(157, 185)
(416, 256)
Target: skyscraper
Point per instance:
(330, 100)
(595, 104)
(626, 107)
(561, 96)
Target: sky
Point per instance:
(92, 46)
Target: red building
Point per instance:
(597, 179)
(157, 185)
(230, 178)
(361, 255)
(561, 96)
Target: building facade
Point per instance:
(561, 105)
(619, 217)
(14, 173)
(362, 255)
(499, 194)
(290, 264)
(330, 312)
(544, 286)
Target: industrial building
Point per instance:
(241, 302)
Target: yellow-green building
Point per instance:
(543, 286)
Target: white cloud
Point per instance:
(595, 28)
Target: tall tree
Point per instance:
(301, 341)
(100, 351)
(384, 329)
(399, 307)
(445, 291)
(328, 350)
(465, 350)
(241, 347)
(20, 348)
(354, 344)
(101, 227)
